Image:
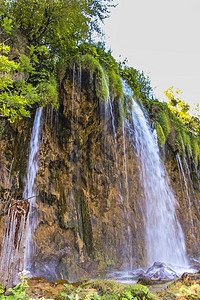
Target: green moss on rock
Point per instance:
(160, 134)
(195, 149)
(162, 119)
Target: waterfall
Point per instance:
(115, 145)
(126, 209)
(163, 234)
(30, 189)
(130, 242)
(20, 221)
(164, 237)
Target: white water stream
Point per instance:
(20, 221)
(30, 189)
(164, 237)
(163, 234)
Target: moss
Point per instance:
(88, 62)
(2, 127)
(161, 117)
(122, 110)
(160, 134)
(179, 139)
(186, 140)
(48, 92)
(182, 139)
(195, 149)
(105, 79)
(115, 85)
(176, 133)
(102, 91)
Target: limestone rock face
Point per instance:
(186, 187)
(90, 196)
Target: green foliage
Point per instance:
(94, 296)
(176, 132)
(115, 85)
(178, 106)
(195, 149)
(180, 290)
(97, 52)
(137, 81)
(18, 292)
(186, 140)
(16, 94)
(1, 289)
(101, 85)
(108, 290)
(52, 28)
(160, 134)
(122, 109)
(189, 292)
(48, 92)
(136, 292)
(7, 24)
(58, 24)
(88, 62)
(64, 295)
(97, 55)
(163, 121)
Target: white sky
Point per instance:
(161, 38)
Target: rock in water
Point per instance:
(160, 271)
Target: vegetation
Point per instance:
(92, 289)
(179, 107)
(18, 292)
(39, 288)
(59, 33)
(137, 81)
(16, 93)
(160, 134)
(51, 29)
(60, 25)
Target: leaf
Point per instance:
(1, 289)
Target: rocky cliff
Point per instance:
(90, 210)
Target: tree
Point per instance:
(16, 95)
(58, 24)
(181, 110)
(178, 106)
(137, 81)
(53, 29)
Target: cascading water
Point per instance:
(20, 219)
(126, 212)
(115, 144)
(30, 190)
(130, 242)
(181, 172)
(163, 234)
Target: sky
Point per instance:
(161, 38)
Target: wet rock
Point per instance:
(145, 280)
(81, 226)
(160, 271)
(188, 278)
